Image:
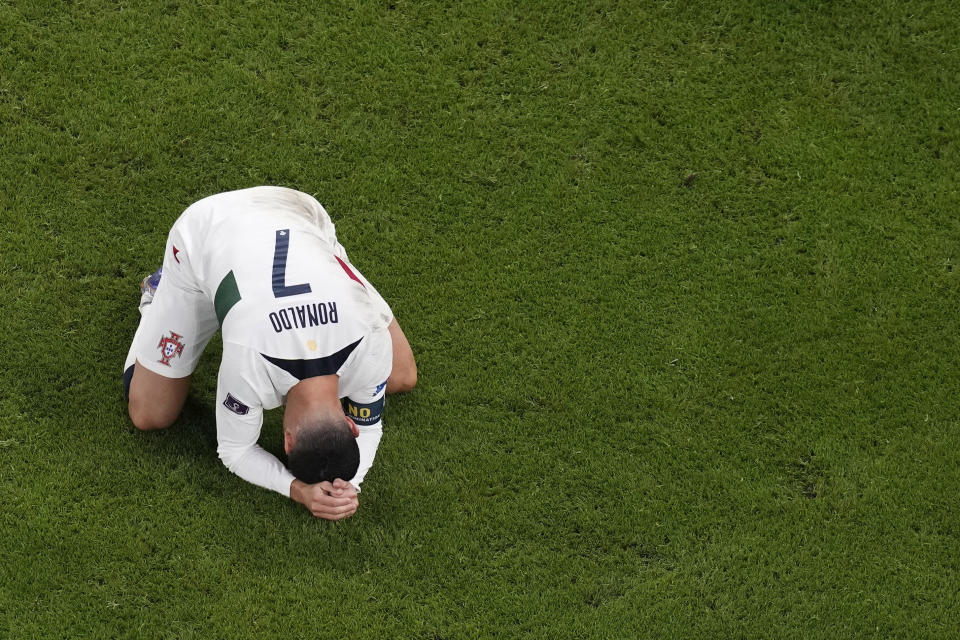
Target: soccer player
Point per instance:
(301, 326)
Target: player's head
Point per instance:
(324, 448)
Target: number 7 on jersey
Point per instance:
(280, 287)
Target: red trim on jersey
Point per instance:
(350, 273)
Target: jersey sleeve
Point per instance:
(239, 419)
(366, 410)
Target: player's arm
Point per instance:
(365, 409)
(239, 419)
(403, 375)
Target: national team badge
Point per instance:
(170, 347)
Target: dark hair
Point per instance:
(324, 450)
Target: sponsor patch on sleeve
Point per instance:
(236, 406)
(364, 414)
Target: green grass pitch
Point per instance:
(681, 277)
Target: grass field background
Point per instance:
(681, 279)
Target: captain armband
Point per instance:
(364, 414)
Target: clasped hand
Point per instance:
(328, 500)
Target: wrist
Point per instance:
(296, 491)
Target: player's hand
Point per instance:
(328, 500)
(342, 487)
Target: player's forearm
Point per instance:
(258, 467)
(367, 441)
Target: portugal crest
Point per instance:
(170, 347)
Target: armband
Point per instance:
(364, 414)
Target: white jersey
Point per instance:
(267, 268)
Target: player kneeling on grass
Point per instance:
(301, 326)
